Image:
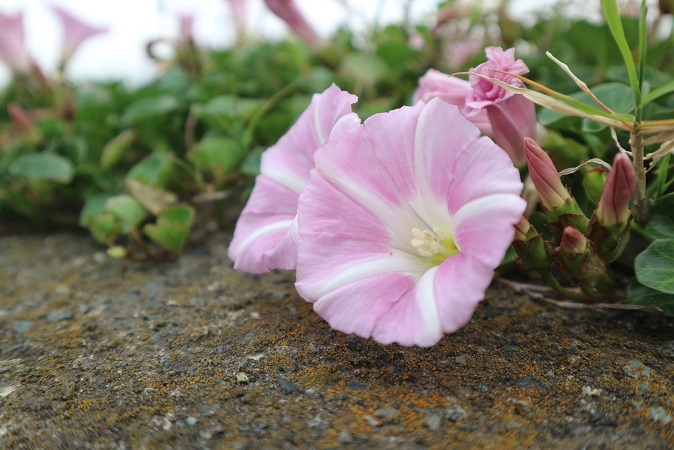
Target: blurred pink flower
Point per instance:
(452, 90)
(266, 232)
(74, 32)
(186, 21)
(288, 11)
(512, 117)
(403, 222)
(238, 8)
(13, 51)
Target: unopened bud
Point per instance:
(544, 175)
(573, 242)
(614, 206)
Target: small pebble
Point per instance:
(21, 326)
(344, 437)
(286, 386)
(636, 369)
(241, 378)
(433, 422)
(386, 413)
(62, 289)
(191, 421)
(456, 414)
(531, 383)
(59, 316)
(660, 414)
(667, 349)
(461, 360)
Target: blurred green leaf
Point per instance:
(155, 170)
(43, 166)
(92, 206)
(115, 148)
(661, 223)
(148, 109)
(126, 209)
(172, 228)
(638, 294)
(218, 156)
(655, 266)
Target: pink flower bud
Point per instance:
(239, 11)
(522, 229)
(543, 173)
(20, 118)
(573, 242)
(288, 11)
(614, 206)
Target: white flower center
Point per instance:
(434, 244)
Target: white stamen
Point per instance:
(429, 243)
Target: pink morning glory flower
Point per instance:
(452, 90)
(74, 32)
(403, 222)
(13, 51)
(512, 117)
(266, 232)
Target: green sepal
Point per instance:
(610, 241)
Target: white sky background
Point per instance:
(120, 54)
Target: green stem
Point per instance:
(641, 231)
(561, 290)
(641, 203)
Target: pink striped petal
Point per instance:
(481, 160)
(469, 279)
(484, 228)
(266, 232)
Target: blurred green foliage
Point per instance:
(146, 168)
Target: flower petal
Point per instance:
(266, 232)
(483, 169)
(460, 284)
(414, 318)
(485, 227)
(264, 221)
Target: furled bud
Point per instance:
(288, 11)
(581, 263)
(573, 242)
(533, 259)
(614, 206)
(543, 173)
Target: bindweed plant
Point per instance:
(395, 218)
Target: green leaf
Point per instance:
(224, 108)
(155, 170)
(218, 156)
(172, 228)
(661, 223)
(658, 92)
(93, 205)
(42, 167)
(126, 209)
(147, 109)
(115, 148)
(655, 266)
(105, 228)
(612, 16)
(251, 165)
(638, 294)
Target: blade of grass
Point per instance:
(658, 92)
(612, 16)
